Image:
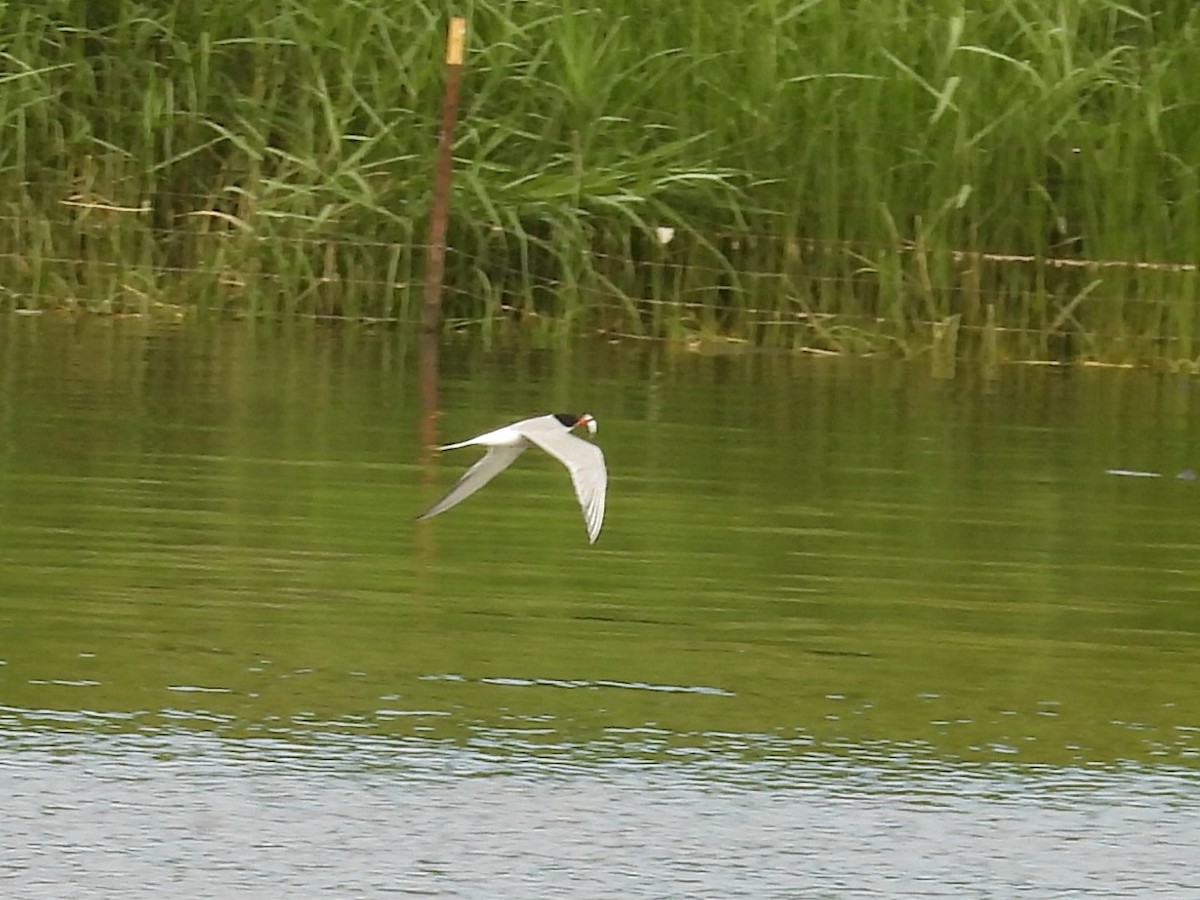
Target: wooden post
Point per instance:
(435, 250)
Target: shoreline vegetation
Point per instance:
(1012, 180)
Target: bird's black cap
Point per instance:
(568, 420)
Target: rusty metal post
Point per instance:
(435, 250)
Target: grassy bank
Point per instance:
(1021, 176)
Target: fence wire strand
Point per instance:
(113, 256)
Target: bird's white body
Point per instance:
(585, 462)
(508, 436)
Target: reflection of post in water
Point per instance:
(427, 375)
(427, 366)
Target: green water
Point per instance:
(207, 534)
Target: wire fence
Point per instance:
(792, 291)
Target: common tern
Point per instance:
(552, 433)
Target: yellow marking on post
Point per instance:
(456, 41)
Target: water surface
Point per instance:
(848, 631)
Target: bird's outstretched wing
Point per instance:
(585, 462)
(491, 464)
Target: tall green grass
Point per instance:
(839, 176)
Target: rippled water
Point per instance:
(848, 632)
(358, 815)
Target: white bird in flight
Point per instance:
(552, 433)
